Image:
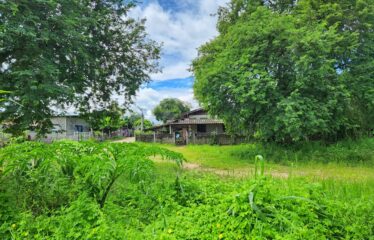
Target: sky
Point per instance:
(181, 26)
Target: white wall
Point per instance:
(72, 121)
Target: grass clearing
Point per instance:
(345, 160)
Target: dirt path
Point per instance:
(126, 140)
(236, 173)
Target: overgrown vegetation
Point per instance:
(291, 71)
(39, 179)
(106, 119)
(347, 152)
(79, 53)
(87, 190)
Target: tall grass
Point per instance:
(348, 153)
(351, 153)
(166, 203)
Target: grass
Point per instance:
(351, 160)
(215, 196)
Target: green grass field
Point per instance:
(350, 160)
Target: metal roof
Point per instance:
(197, 121)
(192, 111)
(188, 122)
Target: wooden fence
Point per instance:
(199, 138)
(216, 139)
(156, 138)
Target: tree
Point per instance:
(290, 70)
(170, 108)
(129, 121)
(107, 119)
(58, 53)
(146, 124)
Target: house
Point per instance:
(66, 127)
(190, 125)
(69, 124)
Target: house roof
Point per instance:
(197, 121)
(193, 111)
(67, 115)
(188, 121)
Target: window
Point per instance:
(201, 128)
(79, 128)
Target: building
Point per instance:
(191, 125)
(66, 127)
(69, 124)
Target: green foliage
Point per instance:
(106, 119)
(170, 108)
(352, 153)
(134, 121)
(62, 53)
(3, 92)
(290, 71)
(56, 191)
(39, 179)
(272, 209)
(129, 121)
(146, 124)
(357, 153)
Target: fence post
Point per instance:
(154, 137)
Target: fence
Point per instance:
(155, 138)
(80, 136)
(218, 139)
(75, 136)
(197, 138)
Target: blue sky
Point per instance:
(181, 26)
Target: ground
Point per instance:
(126, 140)
(220, 161)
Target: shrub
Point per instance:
(38, 180)
(358, 152)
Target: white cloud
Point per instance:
(178, 70)
(181, 32)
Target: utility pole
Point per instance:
(142, 123)
(142, 117)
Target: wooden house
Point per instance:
(189, 125)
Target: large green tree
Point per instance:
(129, 120)
(291, 70)
(146, 124)
(106, 119)
(170, 108)
(58, 53)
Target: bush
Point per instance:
(38, 180)
(88, 190)
(273, 209)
